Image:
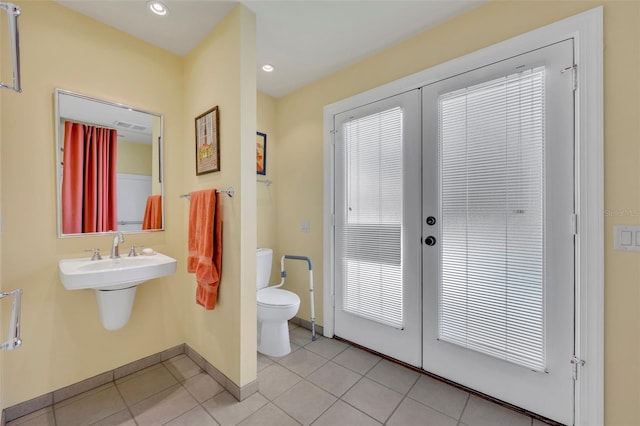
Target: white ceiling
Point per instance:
(304, 39)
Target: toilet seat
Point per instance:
(277, 297)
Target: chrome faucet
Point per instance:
(118, 239)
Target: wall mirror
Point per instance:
(109, 166)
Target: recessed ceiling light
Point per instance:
(268, 68)
(157, 7)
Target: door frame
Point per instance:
(587, 30)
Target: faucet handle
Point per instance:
(133, 251)
(96, 253)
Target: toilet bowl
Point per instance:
(275, 307)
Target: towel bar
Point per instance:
(14, 327)
(229, 191)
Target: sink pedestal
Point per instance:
(114, 307)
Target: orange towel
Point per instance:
(153, 213)
(205, 245)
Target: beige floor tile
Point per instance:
(274, 380)
(305, 402)
(263, 362)
(163, 407)
(440, 396)
(334, 378)
(327, 348)
(393, 376)
(182, 367)
(269, 415)
(300, 336)
(480, 412)
(145, 383)
(373, 399)
(88, 408)
(197, 416)
(42, 417)
(344, 414)
(411, 412)
(302, 362)
(229, 411)
(357, 360)
(202, 386)
(294, 348)
(121, 418)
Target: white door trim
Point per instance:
(586, 29)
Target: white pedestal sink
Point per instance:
(114, 281)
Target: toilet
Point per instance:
(275, 307)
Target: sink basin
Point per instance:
(114, 281)
(114, 274)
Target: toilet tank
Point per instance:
(263, 266)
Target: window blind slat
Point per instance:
(492, 192)
(369, 241)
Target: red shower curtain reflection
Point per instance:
(89, 179)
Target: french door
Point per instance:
(377, 226)
(454, 239)
(498, 291)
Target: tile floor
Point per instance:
(321, 383)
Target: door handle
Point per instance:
(430, 240)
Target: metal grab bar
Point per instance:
(283, 275)
(14, 327)
(13, 12)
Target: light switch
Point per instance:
(305, 226)
(626, 237)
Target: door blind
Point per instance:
(492, 190)
(369, 239)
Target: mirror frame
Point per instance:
(59, 159)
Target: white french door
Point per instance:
(498, 204)
(377, 226)
(454, 229)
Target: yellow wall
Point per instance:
(64, 341)
(300, 146)
(268, 195)
(221, 71)
(134, 158)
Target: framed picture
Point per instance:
(261, 153)
(208, 142)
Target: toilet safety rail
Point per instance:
(14, 327)
(283, 275)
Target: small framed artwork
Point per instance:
(208, 142)
(261, 153)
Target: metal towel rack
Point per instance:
(13, 12)
(229, 191)
(14, 327)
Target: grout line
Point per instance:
(464, 408)
(126, 404)
(357, 409)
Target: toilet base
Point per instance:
(273, 338)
